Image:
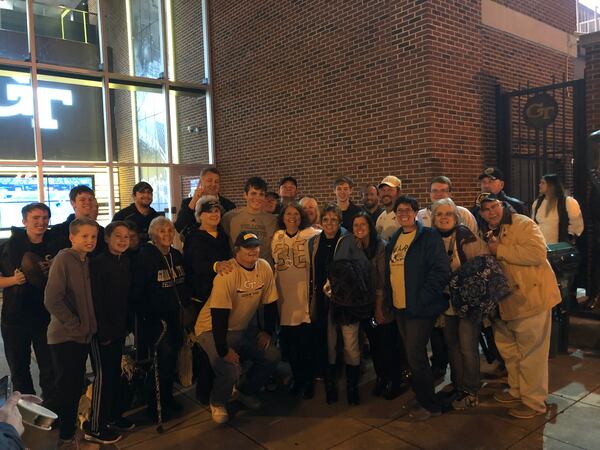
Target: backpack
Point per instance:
(352, 293)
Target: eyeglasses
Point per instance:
(440, 191)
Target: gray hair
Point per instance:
(445, 202)
(205, 199)
(158, 223)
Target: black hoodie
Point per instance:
(24, 302)
(111, 283)
(158, 284)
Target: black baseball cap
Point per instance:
(493, 173)
(207, 204)
(486, 197)
(142, 186)
(286, 179)
(247, 239)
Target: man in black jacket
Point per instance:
(492, 181)
(140, 212)
(24, 262)
(210, 184)
(83, 201)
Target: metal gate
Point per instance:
(542, 130)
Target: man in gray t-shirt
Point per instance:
(252, 218)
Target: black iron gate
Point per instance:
(542, 130)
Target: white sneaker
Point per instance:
(219, 414)
(246, 400)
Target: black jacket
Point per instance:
(426, 273)
(200, 251)
(186, 218)
(111, 282)
(24, 302)
(58, 237)
(154, 292)
(348, 216)
(132, 214)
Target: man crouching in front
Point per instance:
(225, 335)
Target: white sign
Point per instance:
(22, 94)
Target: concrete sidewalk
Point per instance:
(572, 421)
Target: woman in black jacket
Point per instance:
(206, 252)
(416, 274)
(159, 294)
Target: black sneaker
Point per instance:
(104, 436)
(122, 424)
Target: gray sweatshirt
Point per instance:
(68, 299)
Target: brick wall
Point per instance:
(318, 89)
(591, 44)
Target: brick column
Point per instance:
(590, 43)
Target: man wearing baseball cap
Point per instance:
(223, 331)
(288, 191)
(492, 181)
(522, 330)
(389, 190)
(140, 212)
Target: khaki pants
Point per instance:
(524, 344)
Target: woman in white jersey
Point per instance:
(291, 264)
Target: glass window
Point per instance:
(13, 30)
(188, 128)
(16, 117)
(146, 36)
(118, 36)
(67, 35)
(158, 177)
(18, 187)
(151, 127)
(71, 120)
(58, 181)
(185, 41)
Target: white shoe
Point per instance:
(247, 400)
(219, 414)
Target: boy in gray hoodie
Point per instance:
(68, 299)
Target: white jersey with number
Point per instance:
(290, 256)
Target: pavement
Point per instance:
(571, 422)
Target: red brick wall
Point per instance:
(318, 89)
(592, 83)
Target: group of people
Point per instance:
(282, 278)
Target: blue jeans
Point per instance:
(227, 375)
(415, 333)
(462, 338)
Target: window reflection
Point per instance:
(146, 36)
(151, 127)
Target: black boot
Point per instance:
(379, 387)
(352, 375)
(331, 391)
